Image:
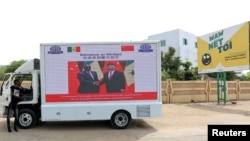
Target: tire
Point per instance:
(120, 120)
(26, 119)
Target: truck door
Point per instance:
(5, 93)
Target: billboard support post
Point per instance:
(221, 87)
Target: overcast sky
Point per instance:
(27, 23)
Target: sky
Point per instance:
(25, 24)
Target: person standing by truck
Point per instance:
(16, 92)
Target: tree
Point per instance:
(10, 68)
(2, 72)
(230, 75)
(14, 65)
(187, 65)
(170, 65)
(196, 74)
(245, 78)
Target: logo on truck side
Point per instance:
(55, 50)
(145, 48)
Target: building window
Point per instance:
(163, 43)
(185, 41)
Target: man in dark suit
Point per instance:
(114, 80)
(88, 80)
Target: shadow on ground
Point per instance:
(90, 130)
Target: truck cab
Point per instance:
(29, 108)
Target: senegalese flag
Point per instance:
(129, 72)
(129, 75)
(74, 49)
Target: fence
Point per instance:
(201, 91)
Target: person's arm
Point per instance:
(123, 82)
(84, 77)
(103, 80)
(122, 79)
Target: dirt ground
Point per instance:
(179, 122)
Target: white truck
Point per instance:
(53, 82)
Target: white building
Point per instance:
(185, 44)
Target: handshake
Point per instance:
(96, 83)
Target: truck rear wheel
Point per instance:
(26, 119)
(120, 120)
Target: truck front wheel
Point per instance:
(120, 120)
(26, 119)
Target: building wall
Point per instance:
(175, 38)
(188, 52)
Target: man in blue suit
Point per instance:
(88, 80)
(114, 80)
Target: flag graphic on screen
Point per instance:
(129, 72)
(95, 67)
(118, 65)
(74, 49)
(127, 48)
(73, 70)
(129, 76)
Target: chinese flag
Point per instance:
(127, 48)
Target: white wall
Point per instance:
(174, 38)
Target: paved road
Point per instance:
(179, 122)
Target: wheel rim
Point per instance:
(25, 119)
(121, 119)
